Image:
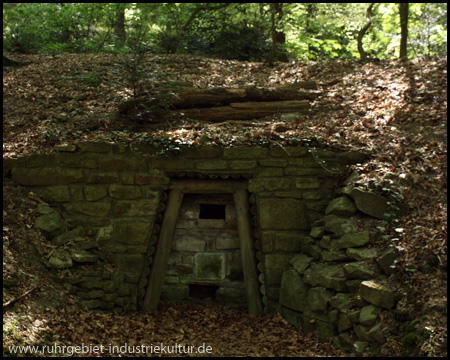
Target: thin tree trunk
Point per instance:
(273, 32)
(404, 11)
(363, 31)
(119, 26)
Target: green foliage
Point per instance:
(239, 31)
(139, 80)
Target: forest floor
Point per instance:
(395, 111)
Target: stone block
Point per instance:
(88, 161)
(69, 236)
(52, 223)
(362, 253)
(133, 231)
(293, 291)
(94, 193)
(359, 270)
(342, 301)
(339, 225)
(102, 177)
(211, 223)
(83, 256)
(301, 262)
(244, 153)
(57, 193)
(376, 205)
(124, 191)
(122, 163)
(210, 266)
(89, 208)
(344, 323)
(329, 276)
(273, 162)
(351, 240)
(242, 165)
(128, 262)
(341, 206)
(307, 183)
(60, 259)
(387, 260)
(227, 243)
(301, 171)
(369, 315)
(275, 266)
(152, 179)
(323, 330)
(289, 241)
(268, 172)
(293, 317)
(288, 152)
(318, 298)
(334, 255)
(141, 207)
(46, 176)
(212, 165)
(377, 294)
(65, 148)
(282, 214)
(269, 184)
(186, 243)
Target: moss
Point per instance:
(409, 343)
(412, 326)
(10, 283)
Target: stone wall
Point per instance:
(336, 285)
(310, 261)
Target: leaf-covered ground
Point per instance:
(395, 111)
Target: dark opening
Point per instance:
(212, 211)
(203, 292)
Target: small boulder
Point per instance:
(377, 294)
(301, 262)
(60, 260)
(376, 205)
(341, 206)
(52, 223)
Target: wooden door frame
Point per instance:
(177, 189)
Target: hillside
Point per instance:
(395, 111)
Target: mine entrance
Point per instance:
(205, 247)
(205, 251)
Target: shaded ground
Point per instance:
(394, 111)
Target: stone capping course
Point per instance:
(314, 266)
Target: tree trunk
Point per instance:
(189, 98)
(244, 111)
(363, 31)
(273, 52)
(404, 12)
(119, 26)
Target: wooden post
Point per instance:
(161, 256)
(254, 303)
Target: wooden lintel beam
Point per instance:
(200, 186)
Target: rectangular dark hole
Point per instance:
(212, 211)
(203, 292)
